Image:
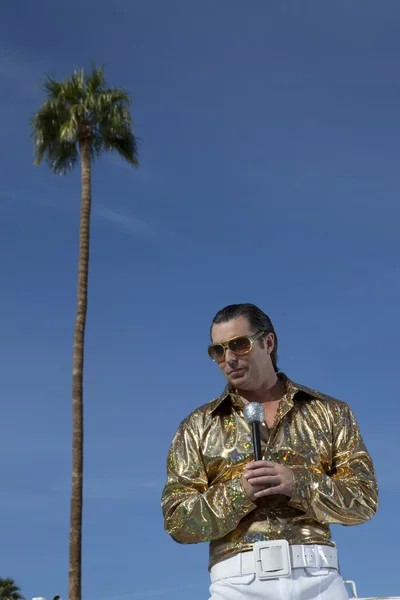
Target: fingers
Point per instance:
(276, 489)
(262, 470)
(272, 478)
(266, 480)
(261, 463)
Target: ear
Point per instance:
(270, 342)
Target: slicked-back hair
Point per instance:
(257, 319)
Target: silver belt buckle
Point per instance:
(272, 559)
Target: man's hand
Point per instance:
(265, 478)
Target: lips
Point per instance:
(236, 372)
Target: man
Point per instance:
(267, 521)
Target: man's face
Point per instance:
(247, 371)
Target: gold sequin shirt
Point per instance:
(316, 436)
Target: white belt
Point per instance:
(273, 559)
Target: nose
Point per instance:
(230, 357)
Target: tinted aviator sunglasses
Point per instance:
(241, 344)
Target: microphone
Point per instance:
(254, 415)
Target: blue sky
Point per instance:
(270, 174)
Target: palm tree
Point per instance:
(80, 119)
(9, 590)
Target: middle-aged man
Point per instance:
(267, 521)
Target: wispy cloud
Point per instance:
(5, 195)
(132, 225)
(16, 198)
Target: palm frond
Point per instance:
(127, 148)
(95, 79)
(80, 108)
(52, 87)
(63, 158)
(9, 589)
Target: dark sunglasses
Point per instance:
(241, 344)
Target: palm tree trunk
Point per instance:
(75, 540)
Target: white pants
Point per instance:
(303, 584)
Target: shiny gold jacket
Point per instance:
(315, 435)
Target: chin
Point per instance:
(240, 382)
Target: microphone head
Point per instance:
(253, 413)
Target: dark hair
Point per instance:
(257, 319)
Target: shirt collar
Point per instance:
(291, 389)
